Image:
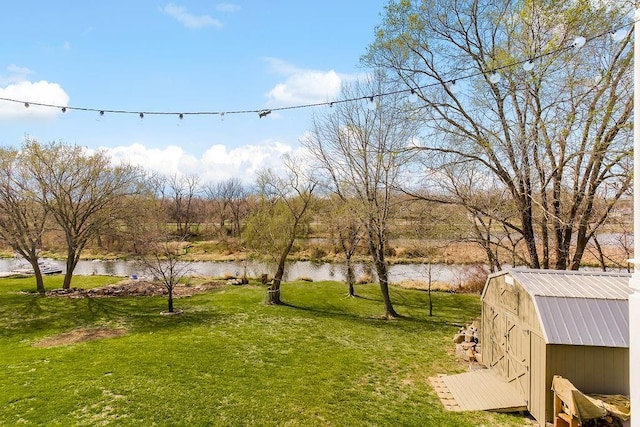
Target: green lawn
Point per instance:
(323, 359)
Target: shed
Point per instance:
(541, 323)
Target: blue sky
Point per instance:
(179, 56)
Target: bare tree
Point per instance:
(22, 218)
(348, 232)
(230, 198)
(362, 153)
(82, 191)
(272, 229)
(554, 131)
(182, 192)
(163, 259)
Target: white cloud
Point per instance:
(218, 163)
(227, 7)
(190, 20)
(15, 74)
(304, 86)
(42, 92)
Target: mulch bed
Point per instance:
(136, 288)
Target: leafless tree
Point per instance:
(163, 259)
(348, 232)
(22, 218)
(362, 153)
(504, 88)
(230, 199)
(83, 192)
(181, 192)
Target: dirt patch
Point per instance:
(80, 335)
(136, 288)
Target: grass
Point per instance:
(321, 360)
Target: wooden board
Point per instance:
(477, 391)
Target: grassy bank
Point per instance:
(323, 359)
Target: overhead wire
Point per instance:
(262, 112)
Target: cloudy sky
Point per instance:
(182, 56)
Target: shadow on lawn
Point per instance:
(38, 313)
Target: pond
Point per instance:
(301, 269)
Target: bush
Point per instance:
(474, 279)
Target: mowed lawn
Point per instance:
(321, 360)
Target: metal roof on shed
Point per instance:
(584, 321)
(574, 284)
(579, 307)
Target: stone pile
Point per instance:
(467, 343)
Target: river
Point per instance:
(300, 269)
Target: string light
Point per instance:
(528, 66)
(579, 41)
(413, 96)
(372, 105)
(617, 34)
(495, 77)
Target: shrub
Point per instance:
(474, 279)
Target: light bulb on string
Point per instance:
(578, 42)
(495, 77)
(26, 105)
(413, 96)
(454, 86)
(63, 109)
(372, 105)
(181, 116)
(100, 116)
(141, 116)
(619, 35)
(528, 66)
(222, 116)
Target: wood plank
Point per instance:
(477, 391)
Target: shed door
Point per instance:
(496, 343)
(517, 352)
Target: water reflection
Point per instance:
(302, 269)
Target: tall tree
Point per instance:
(505, 87)
(82, 191)
(272, 229)
(230, 199)
(182, 191)
(347, 233)
(363, 154)
(22, 217)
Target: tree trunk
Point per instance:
(351, 277)
(274, 293)
(170, 300)
(383, 278)
(38, 275)
(66, 283)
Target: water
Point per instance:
(301, 269)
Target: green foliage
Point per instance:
(322, 359)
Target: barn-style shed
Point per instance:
(541, 323)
